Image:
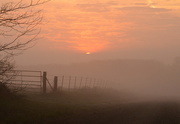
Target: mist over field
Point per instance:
(142, 78)
(89, 62)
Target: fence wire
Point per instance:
(27, 81)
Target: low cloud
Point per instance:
(94, 7)
(143, 9)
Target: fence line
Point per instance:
(25, 81)
(37, 80)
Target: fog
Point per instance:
(148, 79)
(145, 31)
(93, 61)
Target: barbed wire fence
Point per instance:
(27, 81)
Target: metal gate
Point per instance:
(25, 81)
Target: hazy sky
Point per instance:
(106, 29)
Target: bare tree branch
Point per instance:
(19, 27)
(18, 21)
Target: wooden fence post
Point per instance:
(80, 83)
(90, 82)
(94, 84)
(55, 83)
(75, 83)
(44, 82)
(69, 87)
(100, 83)
(86, 83)
(105, 85)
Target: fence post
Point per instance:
(80, 83)
(86, 83)
(90, 82)
(94, 84)
(44, 82)
(69, 87)
(55, 83)
(75, 83)
(99, 83)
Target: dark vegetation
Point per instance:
(84, 107)
(5, 92)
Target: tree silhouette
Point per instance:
(19, 27)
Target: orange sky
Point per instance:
(109, 29)
(82, 30)
(92, 25)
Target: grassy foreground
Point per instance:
(85, 108)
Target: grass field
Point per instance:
(85, 108)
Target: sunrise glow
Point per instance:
(88, 53)
(90, 61)
(100, 26)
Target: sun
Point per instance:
(88, 53)
(150, 3)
